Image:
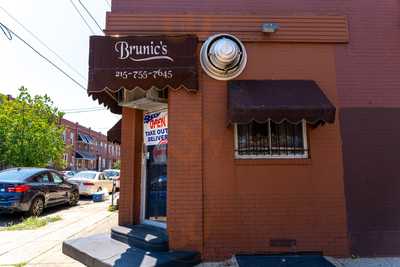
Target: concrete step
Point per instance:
(141, 236)
(103, 251)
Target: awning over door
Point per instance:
(114, 134)
(278, 100)
(125, 69)
(84, 155)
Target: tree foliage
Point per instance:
(117, 165)
(30, 132)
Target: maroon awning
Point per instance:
(114, 134)
(141, 63)
(278, 100)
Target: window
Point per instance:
(17, 174)
(42, 178)
(271, 140)
(72, 137)
(56, 178)
(86, 175)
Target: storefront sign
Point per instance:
(144, 62)
(155, 128)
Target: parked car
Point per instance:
(31, 190)
(90, 182)
(68, 174)
(113, 174)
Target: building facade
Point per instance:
(297, 153)
(87, 149)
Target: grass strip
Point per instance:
(21, 264)
(112, 208)
(31, 223)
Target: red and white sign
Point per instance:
(155, 126)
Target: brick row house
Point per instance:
(255, 126)
(87, 149)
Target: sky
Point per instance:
(61, 28)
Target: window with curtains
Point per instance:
(271, 140)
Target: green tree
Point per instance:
(30, 132)
(117, 165)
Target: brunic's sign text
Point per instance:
(143, 61)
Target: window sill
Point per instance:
(282, 161)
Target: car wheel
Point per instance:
(37, 207)
(73, 198)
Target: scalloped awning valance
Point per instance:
(114, 134)
(145, 62)
(278, 100)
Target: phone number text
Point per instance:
(145, 74)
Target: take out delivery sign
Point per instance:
(156, 128)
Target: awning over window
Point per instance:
(84, 155)
(114, 134)
(278, 100)
(85, 138)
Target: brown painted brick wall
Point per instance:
(221, 206)
(366, 77)
(249, 202)
(366, 67)
(131, 147)
(185, 177)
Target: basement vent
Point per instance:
(282, 242)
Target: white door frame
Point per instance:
(143, 219)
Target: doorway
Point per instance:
(154, 166)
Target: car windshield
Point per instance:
(86, 175)
(111, 173)
(16, 174)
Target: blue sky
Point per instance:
(60, 27)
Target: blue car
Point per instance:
(31, 190)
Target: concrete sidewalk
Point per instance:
(42, 247)
(366, 262)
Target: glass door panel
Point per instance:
(156, 182)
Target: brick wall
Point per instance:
(249, 202)
(367, 83)
(221, 206)
(366, 67)
(131, 147)
(185, 177)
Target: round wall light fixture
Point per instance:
(223, 57)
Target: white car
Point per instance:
(113, 174)
(90, 182)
